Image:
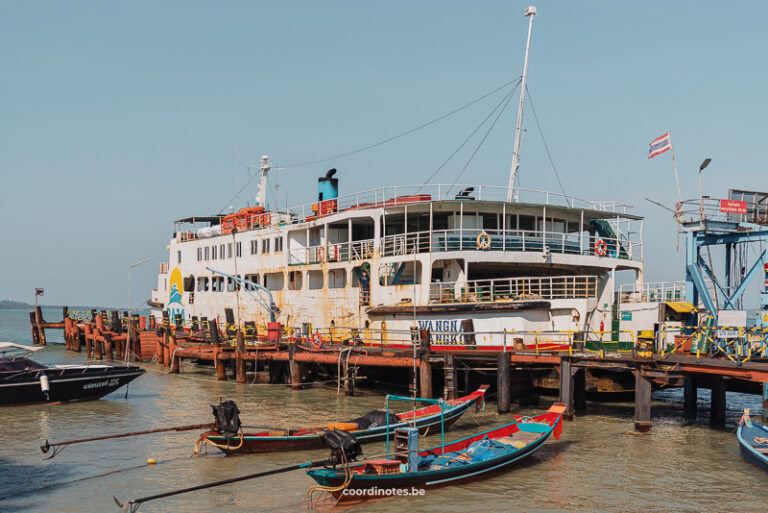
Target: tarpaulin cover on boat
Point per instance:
(375, 418)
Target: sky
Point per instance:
(116, 118)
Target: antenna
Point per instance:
(530, 12)
(261, 188)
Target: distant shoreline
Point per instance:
(6, 304)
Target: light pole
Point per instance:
(701, 198)
(130, 303)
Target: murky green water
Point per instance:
(599, 464)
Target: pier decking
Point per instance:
(438, 368)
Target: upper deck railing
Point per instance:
(398, 195)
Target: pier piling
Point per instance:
(690, 397)
(580, 390)
(717, 403)
(239, 360)
(566, 388)
(503, 383)
(642, 402)
(425, 377)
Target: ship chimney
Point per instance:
(328, 186)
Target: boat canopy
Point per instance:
(680, 306)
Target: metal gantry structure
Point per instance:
(712, 332)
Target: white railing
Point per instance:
(652, 292)
(333, 252)
(501, 289)
(510, 240)
(410, 194)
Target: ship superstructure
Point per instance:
(453, 260)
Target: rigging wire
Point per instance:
(546, 147)
(407, 132)
(384, 141)
(480, 144)
(478, 127)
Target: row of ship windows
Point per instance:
(224, 251)
(336, 279)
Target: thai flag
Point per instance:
(660, 145)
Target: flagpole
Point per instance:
(674, 164)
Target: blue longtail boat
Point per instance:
(753, 439)
(468, 458)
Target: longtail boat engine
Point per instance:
(227, 418)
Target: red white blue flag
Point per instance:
(660, 145)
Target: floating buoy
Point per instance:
(151, 461)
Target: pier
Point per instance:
(354, 359)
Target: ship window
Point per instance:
(274, 281)
(337, 278)
(295, 280)
(230, 285)
(278, 244)
(214, 251)
(229, 250)
(251, 277)
(178, 257)
(401, 273)
(573, 227)
(254, 247)
(206, 252)
(527, 223)
(490, 221)
(202, 284)
(199, 254)
(239, 249)
(315, 279)
(265, 246)
(221, 251)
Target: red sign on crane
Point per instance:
(733, 206)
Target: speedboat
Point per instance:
(24, 381)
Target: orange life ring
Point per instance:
(317, 342)
(483, 240)
(601, 248)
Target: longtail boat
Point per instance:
(468, 458)
(753, 439)
(371, 427)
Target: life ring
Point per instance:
(601, 248)
(317, 342)
(483, 240)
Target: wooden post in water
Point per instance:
(642, 402)
(221, 371)
(717, 405)
(690, 397)
(504, 376)
(167, 346)
(580, 390)
(40, 321)
(294, 368)
(425, 376)
(175, 363)
(88, 341)
(239, 360)
(99, 346)
(451, 377)
(68, 338)
(33, 327)
(108, 348)
(566, 388)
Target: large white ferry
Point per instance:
(475, 265)
(452, 260)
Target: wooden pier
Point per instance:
(434, 370)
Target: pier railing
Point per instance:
(652, 292)
(555, 287)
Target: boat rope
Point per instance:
(480, 144)
(546, 147)
(206, 440)
(331, 489)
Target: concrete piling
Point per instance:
(642, 402)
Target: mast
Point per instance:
(261, 189)
(530, 12)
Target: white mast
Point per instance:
(261, 188)
(511, 192)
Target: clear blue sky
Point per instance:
(119, 117)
